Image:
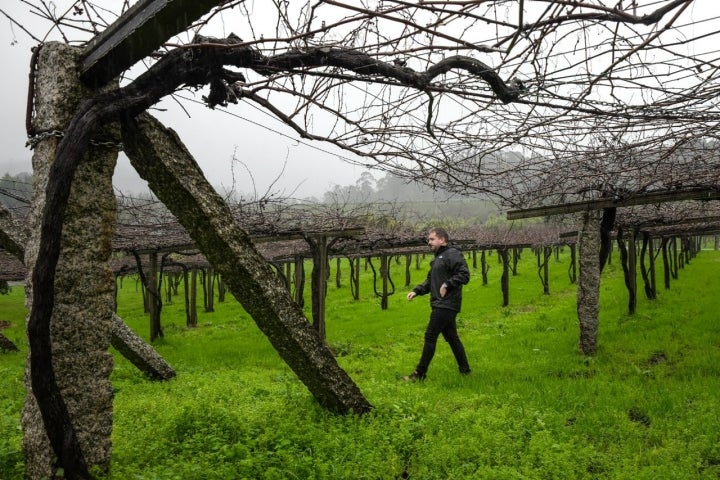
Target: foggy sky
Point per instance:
(275, 162)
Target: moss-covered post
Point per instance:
(547, 253)
(81, 323)
(384, 276)
(299, 280)
(319, 277)
(588, 296)
(631, 280)
(572, 268)
(192, 311)
(484, 267)
(153, 297)
(354, 277)
(503, 257)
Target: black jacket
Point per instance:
(448, 267)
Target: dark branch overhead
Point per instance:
(641, 199)
(136, 34)
(573, 132)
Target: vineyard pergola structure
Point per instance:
(152, 247)
(533, 102)
(149, 242)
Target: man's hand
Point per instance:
(411, 295)
(443, 290)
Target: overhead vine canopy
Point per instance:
(533, 101)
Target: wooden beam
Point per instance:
(644, 199)
(656, 231)
(663, 222)
(709, 230)
(280, 236)
(288, 235)
(569, 234)
(141, 30)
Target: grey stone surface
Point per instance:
(588, 298)
(82, 317)
(139, 352)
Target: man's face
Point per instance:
(435, 242)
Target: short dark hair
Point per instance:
(440, 232)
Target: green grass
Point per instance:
(645, 407)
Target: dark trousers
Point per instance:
(442, 321)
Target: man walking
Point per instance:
(448, 273)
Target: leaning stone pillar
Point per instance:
(81, 323)
(6, 345)
(588, 296)
(159, 156)
(138, 352)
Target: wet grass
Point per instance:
(644, 407)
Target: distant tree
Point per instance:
(366, 185)
(391, 187)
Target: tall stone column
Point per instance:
(81, 323)
(588, 296)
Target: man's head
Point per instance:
(437, 237)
